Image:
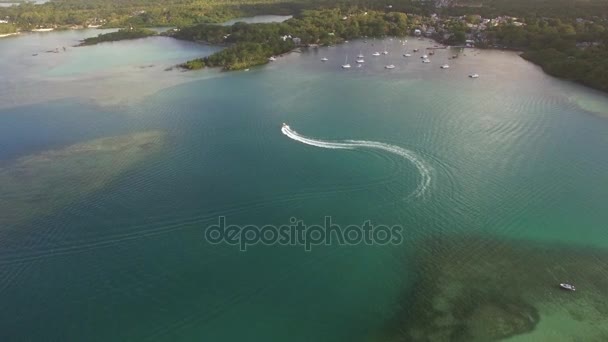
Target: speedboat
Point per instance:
(272, 59)
(407, 55)
(568, 287)
(360, 60)
(285, 125)
(474, 76)
(376, 53)
(390, 66)
(324, 59)
(445, 66)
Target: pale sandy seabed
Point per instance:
(122, 86)
(40, 183)
(488, 290)
(592, 101)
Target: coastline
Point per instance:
(9, 34)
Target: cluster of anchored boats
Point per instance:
(361, 59)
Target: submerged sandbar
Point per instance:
(484, 289)
(41, 183)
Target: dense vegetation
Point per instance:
(576, 50)
(124, 13)
(253, 44)
(528, 8)
(150, 13)
(122, 34)
(7, 28)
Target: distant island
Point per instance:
(122, 34)
(567, 38)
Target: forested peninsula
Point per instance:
(122, 34)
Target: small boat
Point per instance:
(445, 66)
(474, 76)
(568, 287)
(407, 55)
(431, 53)
(246, 69)
(415, 50)
(35, 54)
(376, 53)
(360, 60)
(385, 52)
(390, 66)
(324, 59)
(346, 65)
(360, 55)
(426, 60)
(272, 59)
(424, 56)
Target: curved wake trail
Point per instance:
(425, 175)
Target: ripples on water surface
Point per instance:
(515, 202)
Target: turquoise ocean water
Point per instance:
(515, 161)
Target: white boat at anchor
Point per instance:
(324, 59)
(390, 66)
(566, 286)
(346, 65)
(376, 53)
(445, 66)
(474, 76)
(426, 60)
(272, 59)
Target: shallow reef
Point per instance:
(40, 183)
(487, 289)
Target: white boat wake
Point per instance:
(425, 175)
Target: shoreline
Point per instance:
(9, 34)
